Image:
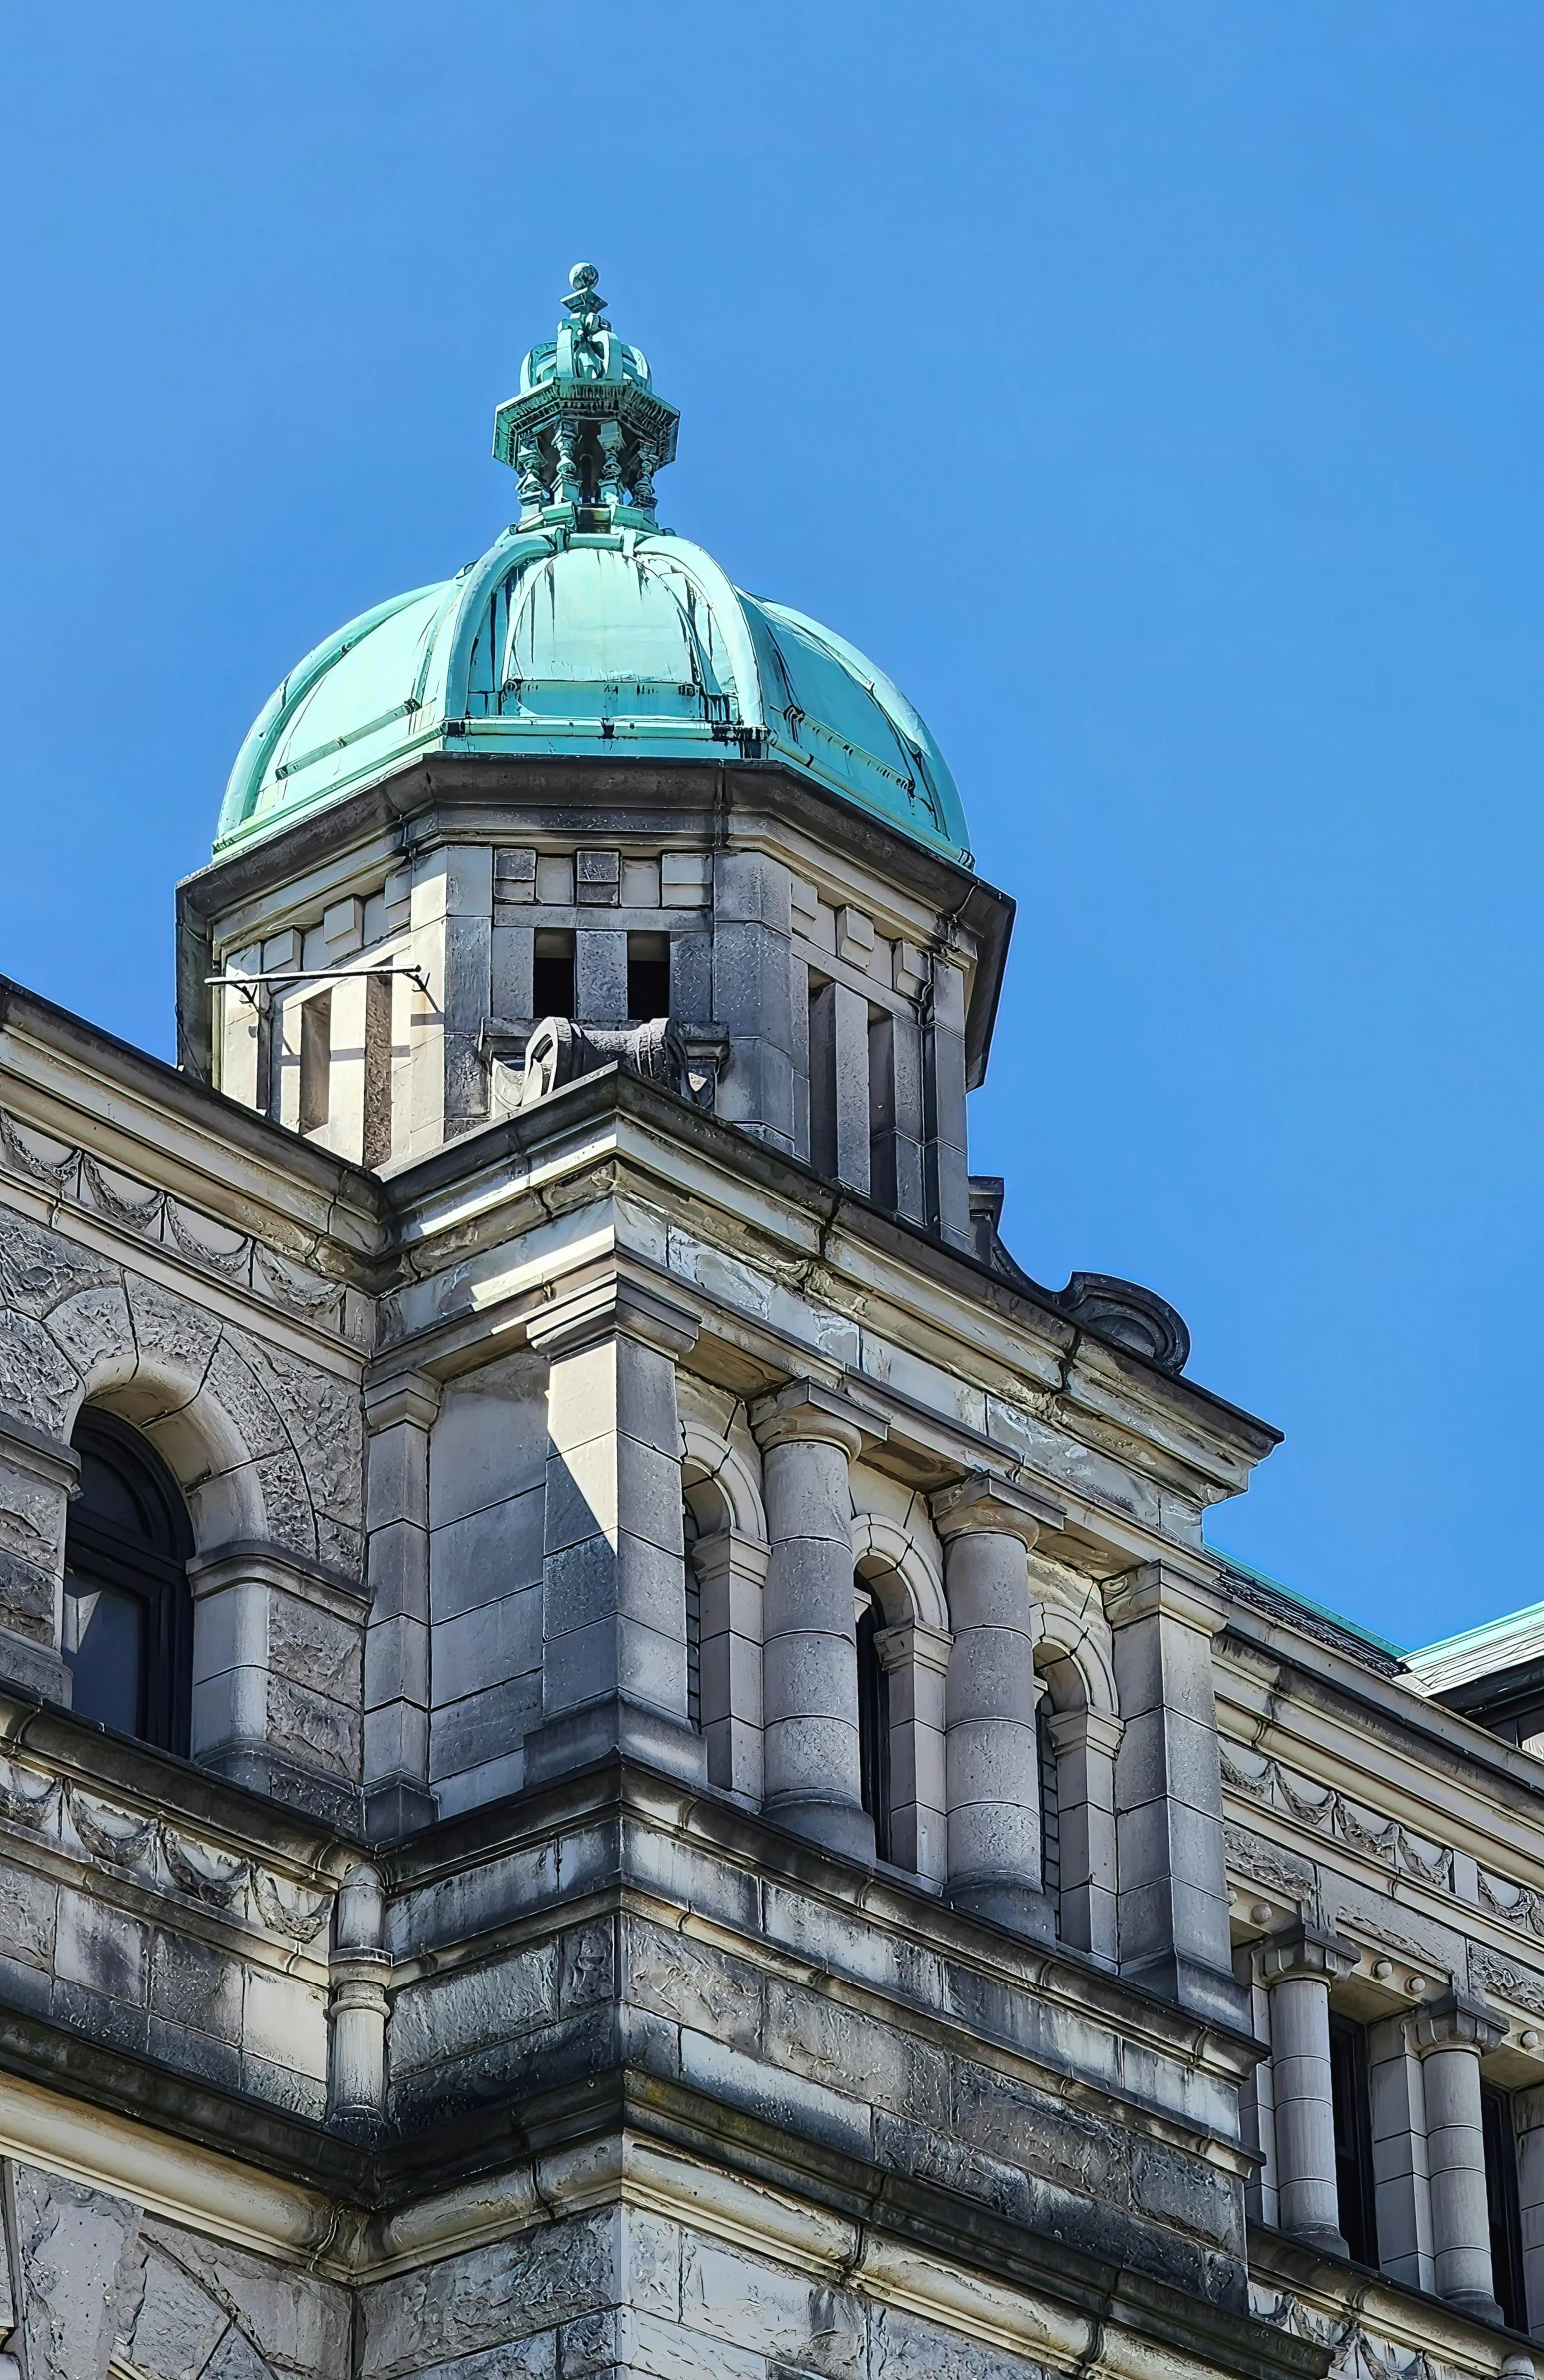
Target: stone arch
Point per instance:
(719, 1483)
(899, 1567)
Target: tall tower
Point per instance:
(670, 1717)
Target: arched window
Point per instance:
(128, 1615)
(873, 1721)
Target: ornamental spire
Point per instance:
(586, 433)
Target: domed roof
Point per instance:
(587, 631)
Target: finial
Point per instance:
(586, 301)
(587, 434)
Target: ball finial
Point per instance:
(583, 277)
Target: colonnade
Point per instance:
(1450, 2036)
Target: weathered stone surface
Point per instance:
(28, 1905)
(39, 1268)
(770, 2311)
(93, 1332)
(37, 1385)
(313, 1728)
(906, 2348)
(484, 2300)
(296, 2322)
(173, 1336)
(76, 2258)
(1043, 2135)
(694, 1983)
(463, 2011)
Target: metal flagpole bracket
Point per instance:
(250, 984)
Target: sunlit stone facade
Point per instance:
(621, 1749)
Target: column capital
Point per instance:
(404, 1396)
(990, 1506)
(809, 1410)
(1172, 1593)
(1307, 1949)
(1456, 2021)
(614, 1308)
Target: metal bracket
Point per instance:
(249, 984)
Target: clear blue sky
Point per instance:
(1154, 389)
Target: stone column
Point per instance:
(1300, 1966)
(1452, 2037)
(1174, 1897)
(399, 1417)
(37, 1479)
(991, 1758)
(1084, 1744)
(613, 1669)
(356, 2012)
(808, 1435)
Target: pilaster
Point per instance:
(615, 1673)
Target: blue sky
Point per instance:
(1153, 390)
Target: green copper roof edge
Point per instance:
(1368, 1636)
(369, 772)
(245, 778)
(1489, 1631)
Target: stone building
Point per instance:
(621, 1751)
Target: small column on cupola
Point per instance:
(586, 433)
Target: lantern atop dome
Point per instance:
(587, 434)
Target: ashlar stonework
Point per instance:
(622, 1750)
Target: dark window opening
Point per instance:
(315, 1062)
(874, 1726)
(1049, 1810)
(694, 1622)
(648, 976)
(552, 991)
(128, 1615)
(1506, 2229)
(1353, 2138)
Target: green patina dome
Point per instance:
(587, 631)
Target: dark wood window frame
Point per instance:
(147, 1562)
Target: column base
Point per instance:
(1478, 2304)
(1203, 1990)
(840, 1826)
(264, 1771)
(1323, 2238)
(612, 1727)
(396, 1808)
(1018, 1907)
